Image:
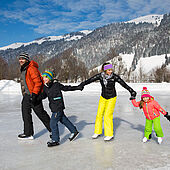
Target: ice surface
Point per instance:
(126, 151)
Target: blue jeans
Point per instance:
(55, 118)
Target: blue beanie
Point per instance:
(48, 74)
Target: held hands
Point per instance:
(133, 95)
(131, 98)
(167, 116)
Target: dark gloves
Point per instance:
(133, 95)
(167, 116)
(131, 98)
(34, 98)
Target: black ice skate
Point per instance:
(73, 136)
(52, 143)
(25, 137)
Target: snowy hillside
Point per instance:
(67, 37)
(154, 19)
(150, 63)
(147, 64)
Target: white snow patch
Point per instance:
(40, 41)
(13, 46)
(10, 87)
(77, 37)
(149, 63)
(86, 32)
(155, 19)
(127, 59)
(55, 38)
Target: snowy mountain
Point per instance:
(67, 37)
(154, 19)
(146, 65)
(132, 40)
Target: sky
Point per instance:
(27, 20)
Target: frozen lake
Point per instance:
(126, 151)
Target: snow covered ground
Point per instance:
(154, 19)
(126, 151)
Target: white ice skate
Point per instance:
(108, 138)
(145, 140)
(95, 136)
(159, 140)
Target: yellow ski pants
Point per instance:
(106, 109)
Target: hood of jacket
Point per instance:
(33, 64)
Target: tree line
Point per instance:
(68, 68)
(65, 66)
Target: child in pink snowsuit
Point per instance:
(151, 109)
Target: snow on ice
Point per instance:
(126, 151)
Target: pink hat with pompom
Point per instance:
(145, 93)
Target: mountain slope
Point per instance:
(142, 40)
(154, 19)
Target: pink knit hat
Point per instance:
(145, 93)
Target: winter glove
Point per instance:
(133, 95)
(167, 116)
(34, 98)
(131, 98)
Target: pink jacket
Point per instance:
(151, 109)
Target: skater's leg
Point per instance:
(157, 127)
(64, 120)
(148, 128)
(99, 117)
(108, 116)
(26, 116)
(55, 118)
(42, 115)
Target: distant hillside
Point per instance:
(142, 37)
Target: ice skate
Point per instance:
(108, 138)
(52, 143)
(95, 136)
(25, 137)
(145, 140)
(73, 136)
(159, 140)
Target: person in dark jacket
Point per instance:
(107, 99)
(31, 86)
(52, 90)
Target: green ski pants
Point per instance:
(157, 127)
